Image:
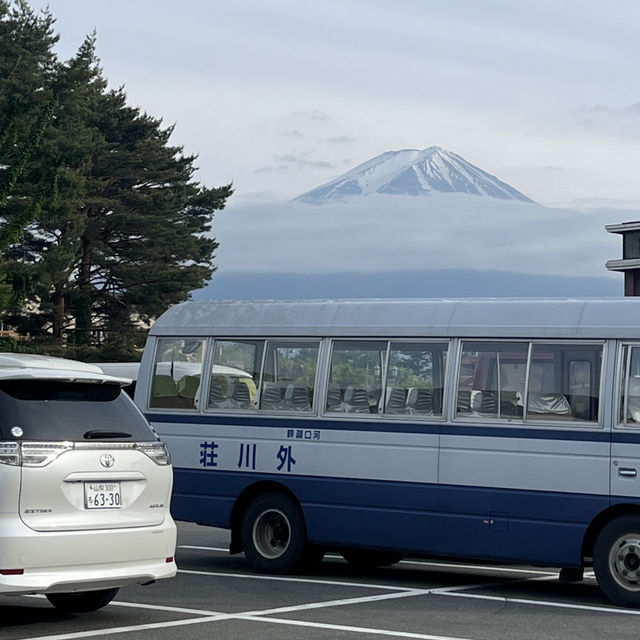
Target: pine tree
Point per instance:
(27, 103)
(124, 233)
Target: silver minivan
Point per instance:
(85, 485)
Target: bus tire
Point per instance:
(616, 560)
(83, 601)
(274, 535)
(371, 558)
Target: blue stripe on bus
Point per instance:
(508, 524)
(479, 430)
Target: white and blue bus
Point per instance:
(506, 430)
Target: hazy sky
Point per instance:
(280, 96)
(395, 233)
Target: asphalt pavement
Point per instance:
(216, 595)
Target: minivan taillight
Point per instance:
(10, 453)
(157, 451)
(31, 454)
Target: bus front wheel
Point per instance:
(616, 560)
(273, 534)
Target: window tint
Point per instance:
(289, 376)
(235, 374)
(630, 389)
(53, 411)
(491, 379)
(176, 373)
(415, 378)
(564, 383)
(355, 378)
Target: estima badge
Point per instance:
(107, 460)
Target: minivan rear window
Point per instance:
(46, 410)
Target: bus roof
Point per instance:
(483, 318)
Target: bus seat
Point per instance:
(187, 386)
(240, 394)
(163, 392)
(420, 401)
(271, 397)
(297, 398)
(396, 400)
(464, 401)
(548, 404)
(356, 400)
(334, 399)
(164, 386)
(216, 394)
(633, 408)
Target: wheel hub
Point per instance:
(624, 562)
(271, 533)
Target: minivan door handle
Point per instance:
(627, 472)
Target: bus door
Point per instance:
(625, 439)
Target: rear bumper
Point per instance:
(55, 562)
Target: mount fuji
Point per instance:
(414, 172)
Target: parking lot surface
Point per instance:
(217, 595)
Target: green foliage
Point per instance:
(104, 227)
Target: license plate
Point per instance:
(102, 495)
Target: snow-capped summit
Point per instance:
(414, 172)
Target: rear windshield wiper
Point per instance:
(98, 435)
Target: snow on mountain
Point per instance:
(414, 172)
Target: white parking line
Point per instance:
(257, 616)
(131, 628)
(541, 603)
(395, 592)
(255, 576)
(162, 607)
(342, 627)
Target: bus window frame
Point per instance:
(283, 341)
(478, 419)
(255, 410)
(197, 398)
(444, 373)
(380, 414)
(524, 420)
(621, 388)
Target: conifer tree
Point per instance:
(27, 103)
(123, 229)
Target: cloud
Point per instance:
(272, 169)
(311, 116)
(339, 140)
(601, 119)
(391, 233)
(302, 160)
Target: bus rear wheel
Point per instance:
(274, 535)
(616, 560)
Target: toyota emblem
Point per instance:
(107, 460)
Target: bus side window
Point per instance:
(414, 382)
(289, 375)
(491, 379)
(631, 386)
(177, 373)
(235, 372)
(564, 382)
(355, 378)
